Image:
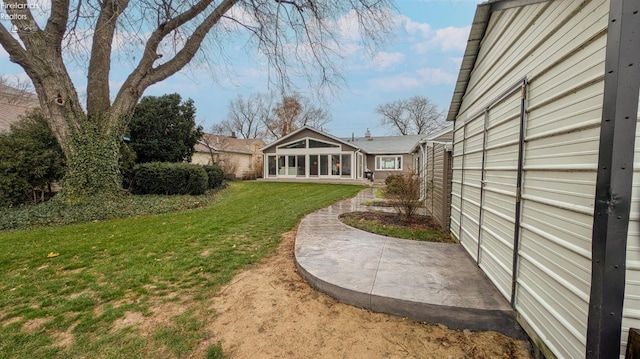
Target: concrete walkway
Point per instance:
(429, 282)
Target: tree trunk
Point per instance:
(92, 164)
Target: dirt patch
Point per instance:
(129, 319)
(269, 311)
(30, 326)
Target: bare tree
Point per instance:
(294, 112)
(16, 91)
(413, 116)
(246, 117)
(160, 38)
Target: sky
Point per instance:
(421, 58)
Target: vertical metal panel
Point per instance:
(614, 185)
(498, 208)
(457, 176)
(560, 46)
(472, 175)
(565, 104)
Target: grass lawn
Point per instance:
(66, 289)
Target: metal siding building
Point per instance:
(433, 159)
(528, 108)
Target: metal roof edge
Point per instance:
(478, 29)
(476, 35)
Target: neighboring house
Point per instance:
(13, 104)
(432, 159)
(312, 154)
(545, 192)
(239, 158)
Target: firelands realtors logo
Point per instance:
(13, 10)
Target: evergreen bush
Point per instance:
(215, 174)
(394, 184)
(169, 179)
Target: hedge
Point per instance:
(215, 174)
(169, 178)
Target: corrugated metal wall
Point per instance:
(498, 200)
(560, 47)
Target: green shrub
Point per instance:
(215, 174)
(31, 160)
(169, 178)
(394, 184)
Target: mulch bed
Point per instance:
(394, 220)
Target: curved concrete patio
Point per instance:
(429, 282)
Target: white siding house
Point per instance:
(545, 193)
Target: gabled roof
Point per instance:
(309, 128)
(478, 29)
(220, 143)
(442, 135)
(369, 145)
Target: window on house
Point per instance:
(297, 144)
(320, 144)
(273, 165)
(346, 165)
(388, 163)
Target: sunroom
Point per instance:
(308, 153)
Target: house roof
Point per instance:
(386, 144)
(444, 135)
(371, 145)
(221, 143)
(309, 128)
(13, 104)
(478, 29)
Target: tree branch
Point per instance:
(98, 100)
(145, 75)
(57, 23)
(17, 53)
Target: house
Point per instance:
(239, 158)
(14, 103)
(387, 155)
(309, 153)
(432, 159)
(545, 191)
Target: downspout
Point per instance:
(357, 171)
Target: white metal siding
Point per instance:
(456, 178)
(560, 47)
(499, 199)
(466, 196)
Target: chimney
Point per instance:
(233, 134)
(353, 137)
(367, 135)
